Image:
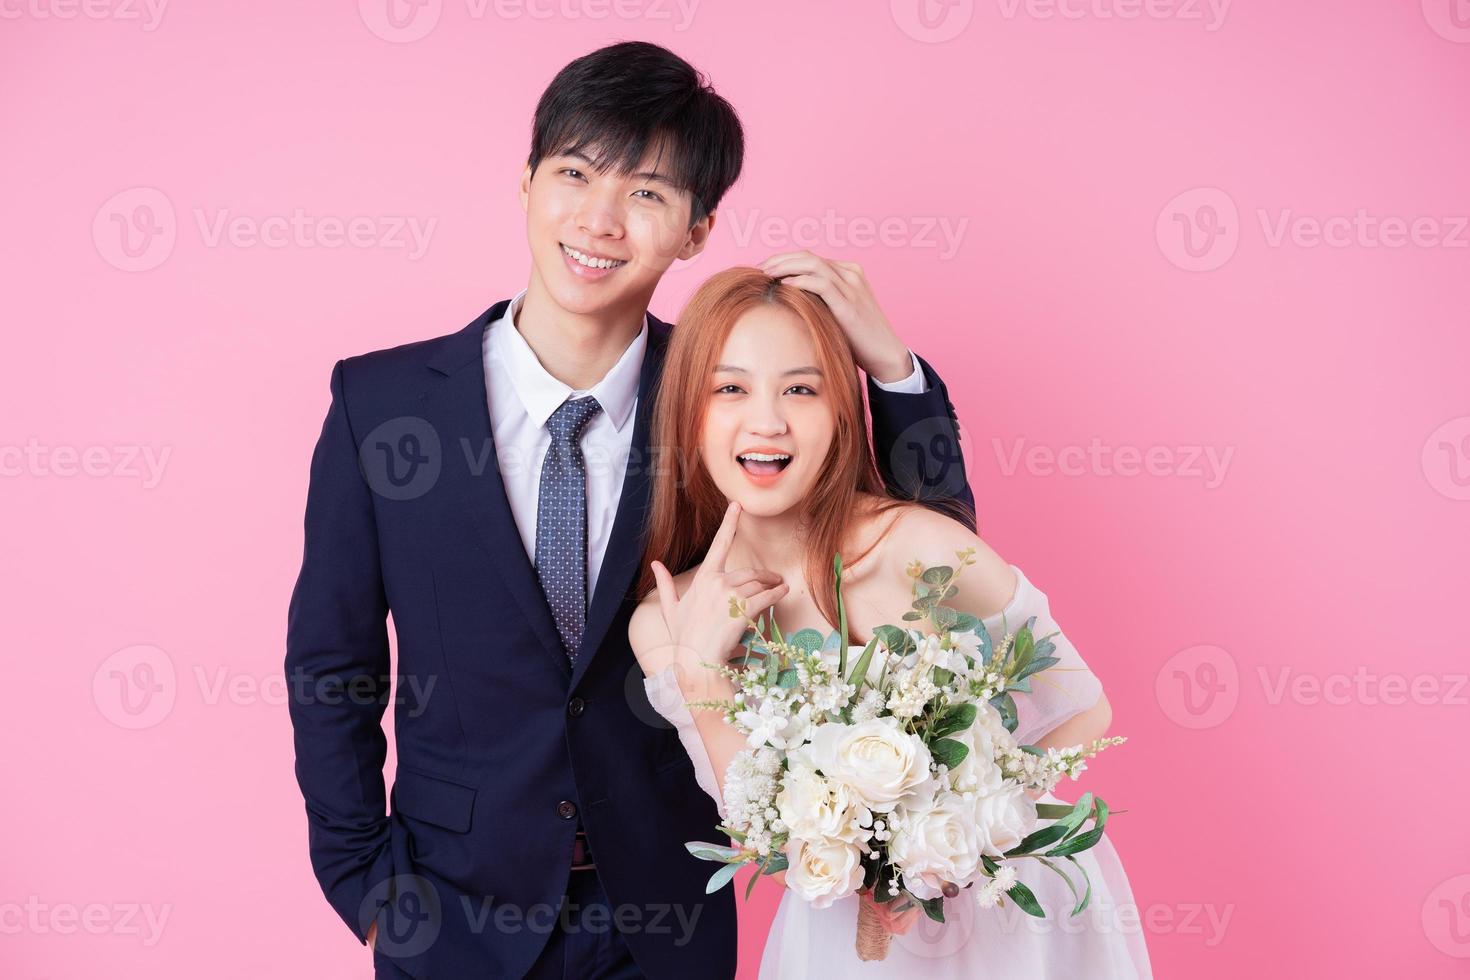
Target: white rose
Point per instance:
(878, 760)
(978, 772)
(1003, 818)
(814, 807)
(823, 871)
(936, 845)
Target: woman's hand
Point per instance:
(896, 922)
(699, 623)
(847, 294)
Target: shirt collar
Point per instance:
(542, 394)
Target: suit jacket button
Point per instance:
(575, 707)
(566, 809)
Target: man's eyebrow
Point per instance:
(642, 174)
(732, 369)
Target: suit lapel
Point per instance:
(625, 545)
(460, 412)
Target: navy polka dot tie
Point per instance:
(561, 521)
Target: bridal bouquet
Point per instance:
(897, 774)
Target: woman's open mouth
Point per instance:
(763, 467)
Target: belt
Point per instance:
(582, 853)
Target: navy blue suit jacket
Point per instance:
(503, 745)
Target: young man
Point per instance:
(488, 489)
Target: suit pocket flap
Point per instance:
(433, 799)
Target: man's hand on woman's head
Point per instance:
(845, 289)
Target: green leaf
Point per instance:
(1087, 897)
(986, 646)
(1036, 665)
(956, 719)
(1080, 899)
(1081, 810)
(1052, 811)
(859, 674)
(898, 641)
(808, 640)
(711, 852)
(1025, 900)
(1082, 842)
(841, 616)
(948, 752)
(721, 878)
(1037, 839)
(1006, 705)
(912, 616)
(777, 862)
(943, 618)
(1023, 648)
(788, 678)
(933, 907)
(938, 575)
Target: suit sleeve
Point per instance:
(916, 440)
(337, 675)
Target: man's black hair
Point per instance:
(616, 103)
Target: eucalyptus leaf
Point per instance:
(721, 878)
(938, 575)
(808, 640)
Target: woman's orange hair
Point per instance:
(687, 507)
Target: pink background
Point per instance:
(1312, 829)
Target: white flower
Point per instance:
(979, 771)
(823, 871)
(880, 762)
(814, 807)
(774, 724)
(875, 666)
(1003, 818)
(939, 844)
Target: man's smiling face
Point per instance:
(600, 241)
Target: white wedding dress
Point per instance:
(1104, 942)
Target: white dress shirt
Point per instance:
(523, 394)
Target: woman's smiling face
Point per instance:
(768, 422)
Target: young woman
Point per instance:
(760, 412)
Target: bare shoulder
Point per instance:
(919, 534)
